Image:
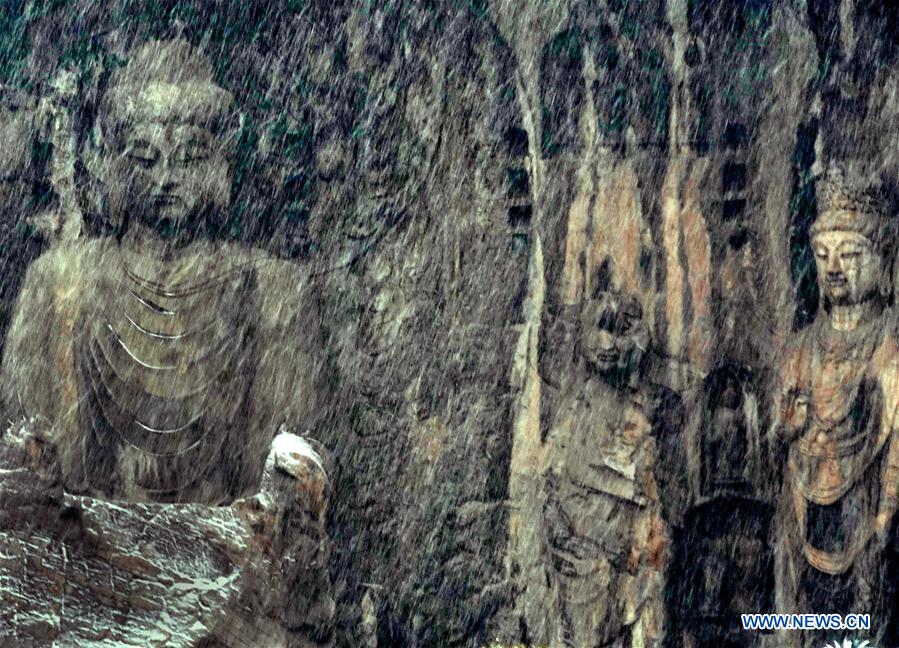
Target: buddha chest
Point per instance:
(164, 370)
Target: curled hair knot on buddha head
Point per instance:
(167, 81)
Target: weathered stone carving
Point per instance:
(163, 360)
(144, 340)
(605, 532)
(722, 566)
(836, 407)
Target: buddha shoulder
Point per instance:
(284, 291)
(66, 268)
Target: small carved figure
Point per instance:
(605, 533)
(722, 566)
(727, 453)
(836, 407)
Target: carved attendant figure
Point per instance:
(162, 360)
(603, 518)
(836, 404)
(722, 561)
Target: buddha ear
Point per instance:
(233, 132)
(94, 152)
(104, 194)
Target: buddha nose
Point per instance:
(834, 265)
(606, 341)
(166, 180)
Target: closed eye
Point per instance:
(191, 159)
(191, 152)
(142, 160)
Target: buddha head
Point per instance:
(167, 133)
(852, 237)
(614, 336)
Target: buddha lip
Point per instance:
(166, 200)
(607, 355)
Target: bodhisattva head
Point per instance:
(851, 239)
(169, 132)
(614, 336)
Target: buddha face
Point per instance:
(849, 267)
(173, 173)
(613, 334)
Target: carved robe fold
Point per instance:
(161, 381)
(841, 478)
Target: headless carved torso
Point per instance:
(164, 364)
(600, 507)
(162, 377)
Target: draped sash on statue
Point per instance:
(837, 485)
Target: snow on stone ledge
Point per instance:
(293, 454)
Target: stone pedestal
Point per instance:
(80, 571)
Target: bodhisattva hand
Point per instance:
(794, 413)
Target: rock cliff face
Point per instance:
(80, 571)
(464, 180)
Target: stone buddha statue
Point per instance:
(162, 361)
(836, 412)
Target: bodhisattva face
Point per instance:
(849, 267)
(613, 334)
(173, 175)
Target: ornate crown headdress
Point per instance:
(848, 201)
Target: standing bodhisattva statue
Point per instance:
(836, 412)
